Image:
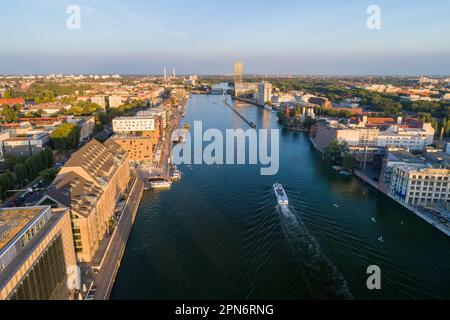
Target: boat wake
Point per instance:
(321, 276)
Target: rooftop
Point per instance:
(98, 161)
(403, 156)
(73, 191)
(12, 221)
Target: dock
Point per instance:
(251, 124)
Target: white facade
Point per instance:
(161, 114)
(410, 138)
(420, 186)
(283, 98)
(133, 124)
(264, 92)
(395, 136)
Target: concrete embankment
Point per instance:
(104, 280)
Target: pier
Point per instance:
(251, 124)
(249, 102)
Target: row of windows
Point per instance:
(31, 233)
(429, 195)
(45, 277)
(429, 178)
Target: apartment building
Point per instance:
(420, 186)
(395, 157)
(134, 124)
(138, 136)
(326, 131)
(100, 100)
(29, 145)
(89, 185)
(86, 125)
(48, 108)
(36, 250)
(375, 132)
(115, 101)
(320, 102)
(412, 139)
(160, 115)
(245, 88)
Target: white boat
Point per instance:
(267, 107)
(176, 175)
(161, 184)
(280, 194)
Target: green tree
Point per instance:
(6, 184)
(283, 118)
(332, 153)
(11, 161)
(50, 159)
(21, 174)
(447, 129)
(66, 136)
(31, 169)
(9, 114)
(309, 122)
(348, 162)
(44, 160)
(49, 175)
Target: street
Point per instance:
(104, 279)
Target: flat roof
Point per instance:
(402, 155)
(13, 220)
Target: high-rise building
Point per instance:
(264, 92)
(238, 72)
(36, 251)
(115, 101)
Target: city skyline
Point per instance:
(286, 37)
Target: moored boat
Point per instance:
(161, 184)
(176, 175)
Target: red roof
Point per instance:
(12, 101)
(380, 121)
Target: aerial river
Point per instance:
(219, 234)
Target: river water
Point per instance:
(219, 234)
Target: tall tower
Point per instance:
(174, 73)
(238, 72)
(165, 74)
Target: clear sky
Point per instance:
(205, 37)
